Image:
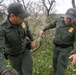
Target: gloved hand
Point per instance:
(8, 73)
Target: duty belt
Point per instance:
(62, 45)
(14, 54)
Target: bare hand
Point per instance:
(41, 33)
(73, 57)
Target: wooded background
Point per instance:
(41, 15)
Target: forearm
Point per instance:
(50, 26)
(29, 35)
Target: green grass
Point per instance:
(42, 61)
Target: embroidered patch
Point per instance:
(71, 30)
(71, 12)
(23, 25)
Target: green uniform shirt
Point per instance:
(13, 39)
(65, 34)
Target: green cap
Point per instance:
(71, 13)
(18, 9)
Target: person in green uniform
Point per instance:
(14, 32)
(65, 36)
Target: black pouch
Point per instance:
(6, 55)
(28, 44)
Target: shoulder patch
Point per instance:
(71, 29)
(23, 25)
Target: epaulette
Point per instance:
(60, 18)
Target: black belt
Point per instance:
(62, 45)
(14, 54)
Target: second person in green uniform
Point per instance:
(65, 36)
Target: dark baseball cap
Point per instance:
(18, 9)
(71, 13)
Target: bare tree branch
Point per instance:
(48, 8)
(24, 3)
(73, 3)
(18, 0)
(34, 8)
(1, 1)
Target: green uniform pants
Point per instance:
(60, 59)
(23, 63)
